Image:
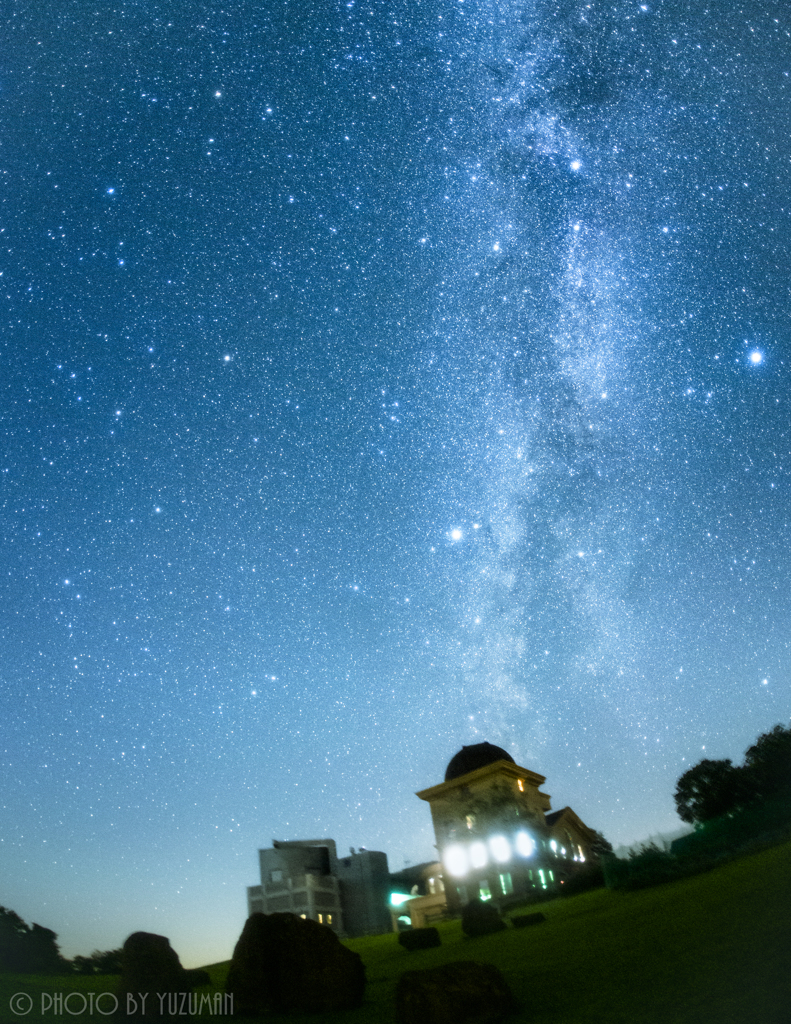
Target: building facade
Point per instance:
(496, 835)
(306, 877)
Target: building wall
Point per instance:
(298, 878)
(306, 877)
(365, 886)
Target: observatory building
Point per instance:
(496, 834)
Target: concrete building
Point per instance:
(307, 877)
(496, 835)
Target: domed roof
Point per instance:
(478, 755)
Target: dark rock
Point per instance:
(463, 992)
(480, 918)
(525, 920)
(286, 963)
(153, 981)
(419, 938)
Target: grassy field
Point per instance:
(712, 949)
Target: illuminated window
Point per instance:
(521, 785)
(506, 884)
(525, 844)
(554, 846)
(321, 918)
(552, 876)
(470, 819)
(303, 916)
(543, 879)
(478, 857)
(328, 919)
(483, 889)
(456, 860)
(500, 847)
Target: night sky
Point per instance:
(376, 378)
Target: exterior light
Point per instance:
(398, 898)
(456, 861)
(500, 847)
(478, 856)
(554, 846)
(525, 844)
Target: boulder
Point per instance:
(284, 963)
(153, 983)
(525, 920)
(419, 938)
(480, 918)
(462, 992)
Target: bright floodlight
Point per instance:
(525, 844)
(478, 856)
(456, 861)
(500, 848)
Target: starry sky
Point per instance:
(378, 377)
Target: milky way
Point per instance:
(378, 378)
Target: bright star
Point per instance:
(456, 534)
(756, 357)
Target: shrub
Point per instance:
(644, 867)
(589, 877)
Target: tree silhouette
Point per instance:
(108, 961)
(601, 847)
(709, 789)
(712, 788)
(25, 949)
(767, 763)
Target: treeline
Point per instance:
(713, 788)
(734, 808)
(32, 949)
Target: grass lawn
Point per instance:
(712, 949)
